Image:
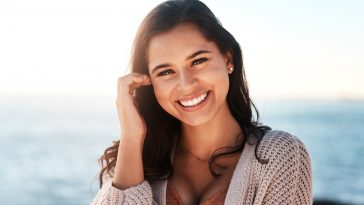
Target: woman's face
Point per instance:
(189, 74)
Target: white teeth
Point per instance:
(193, 102)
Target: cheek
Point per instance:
(220, 80)
(162, 93)
(217, 76)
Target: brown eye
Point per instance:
(165, 72)
(199, 61)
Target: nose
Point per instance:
(187, 82)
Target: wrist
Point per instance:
(131, 142)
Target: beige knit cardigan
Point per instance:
(285, 180)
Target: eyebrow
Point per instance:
(199, 52)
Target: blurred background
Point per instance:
(59, 62)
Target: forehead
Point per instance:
(177, 44)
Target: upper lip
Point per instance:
(191, 96)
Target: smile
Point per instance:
(194, 102)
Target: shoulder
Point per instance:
(279, 145)
(288, 170)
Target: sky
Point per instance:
(291, 49)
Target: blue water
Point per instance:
(49, 145)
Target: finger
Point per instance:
(131, 82)
(135, 78)
(146, 80)
(135, 85)
(140, 81)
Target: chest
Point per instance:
(195, 184)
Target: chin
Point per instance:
(195, 121)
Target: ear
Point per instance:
(229, 62)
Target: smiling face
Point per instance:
(189, 75)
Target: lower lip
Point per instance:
(196, 107)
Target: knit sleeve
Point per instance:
(140, 194)
(288, 177)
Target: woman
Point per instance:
(188, 134)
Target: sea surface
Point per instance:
(49, 145)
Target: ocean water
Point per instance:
(49, 145)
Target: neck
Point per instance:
(204, 139)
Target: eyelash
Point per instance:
(195, 62)
(199, 61)
(165, 72)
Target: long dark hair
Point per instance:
(163, 129)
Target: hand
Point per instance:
(132, 123)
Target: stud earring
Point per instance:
(231, 69)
